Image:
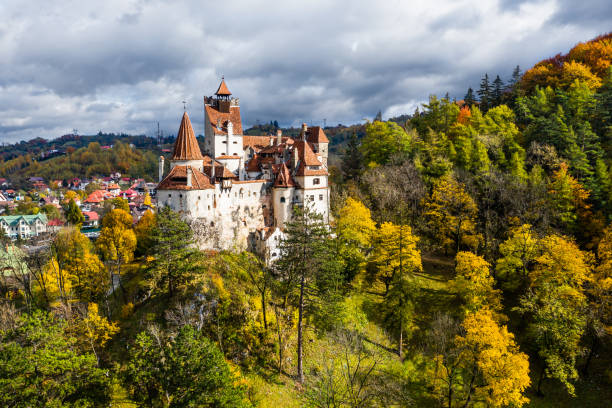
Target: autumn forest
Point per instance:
(468, 264)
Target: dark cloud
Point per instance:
(120, 65)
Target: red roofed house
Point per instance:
(91, 219)
(242, 184)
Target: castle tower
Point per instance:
(186, 149)
(223, 124)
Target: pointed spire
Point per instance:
(186, 145)
(223, 90)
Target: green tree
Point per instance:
(485, 94)
(41, 367)
(352, 160)
(555, 308)
(174, 261)
(308, 263)
(451, 215)
(382, 141)
(73, 214)
(186, 370)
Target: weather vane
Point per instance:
(185, 106)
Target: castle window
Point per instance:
(209, 207)
(199, 197)
(320, 197)
(224, 141)
(169, 195)
(235, 142)
(180, 196)
(282, 199)
(311, 198)
(316, 181)
(254, 194)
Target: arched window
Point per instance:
(316, 181)
(282, 200)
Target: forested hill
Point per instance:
(468, 264)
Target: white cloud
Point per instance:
(121, 65)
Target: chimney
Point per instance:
(161, 168)
(304, 130)
(189, 174)
(295, 157)
(279, 137)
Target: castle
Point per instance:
(241, 192)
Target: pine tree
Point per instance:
(484, 94)
(352, 160)
(516, 77)
(307, 262)
(469, 97)
(498, 90)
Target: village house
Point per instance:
(24, 226)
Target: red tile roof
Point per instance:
(256, 141)
(177, 180)
(316, 135)
(223, 90)
(186, 145)
(214, 116)
(283, 179)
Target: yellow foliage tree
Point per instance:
(496, 371)
(147, 200)
(143, 230)
(474, 284)
(518, 252)
(395, 253)
(451, 214)
(73, 253)
(117, 240)
(94, 331)
(355, 229)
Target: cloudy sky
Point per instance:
(121, 65)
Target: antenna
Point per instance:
(158, 135)
(324, 123)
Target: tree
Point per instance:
(94, 331)
(174, 262)
(73, 214)
(352, 160)
(568, 197)
(307, 262)
(498, 91)
(73, 269)
(40, 366)
(518, 253)
(355, 229)
(119, 203)
(144, 230)
(485, 94)
(117, 240)
(555, 308)
(382, 141)
(451, 214)
(186, 370)
(469, 97)
(498, 372)
(477, 362)
(474, 284)
(394, 253)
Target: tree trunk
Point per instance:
(539, 390)
(263, 309)
(300, 369)
(469, 396)
(594, 344)
(280, 340)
